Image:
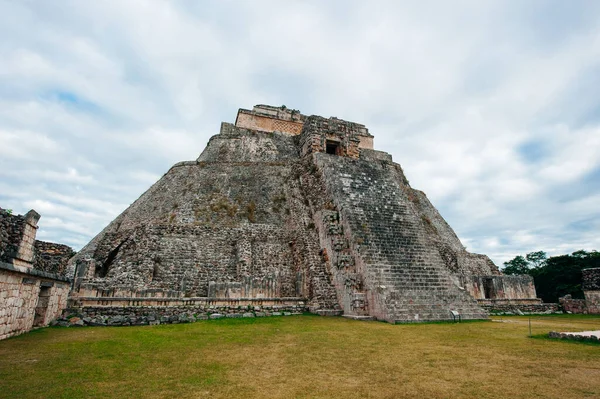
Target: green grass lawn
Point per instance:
(304, 357)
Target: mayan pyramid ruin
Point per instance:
(287, 211)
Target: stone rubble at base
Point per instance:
(155, 315)
(592, 336)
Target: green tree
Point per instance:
(561, 275)
(536, 259)
(517, 265)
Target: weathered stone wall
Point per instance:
(17, 237)
(266, 118)
(499, 287)
(26, 251)
(17, 303)
(590, 279)
(374, 155)
(592, 299)
(28, 301)
(281, 113)
(267, 124)
(570, 305)
(188, 258)
(242, 145)
(365, 142)
(153, 315)
(11, 234)
(51, 257)
(519, 307)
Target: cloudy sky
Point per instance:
(492, 108)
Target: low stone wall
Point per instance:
(28, 300)
(570, 305)
(590, 336)
(152, 315)
(518, 307)
(88, 296)
(592, 299)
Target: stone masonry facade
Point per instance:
(33, 293)
(29, 300)
(288, 211)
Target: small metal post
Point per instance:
(530, 327)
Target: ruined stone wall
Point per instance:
(592, 299)
(374, 155)
(11, 233)
(17, 236)
(242, 145)
(281, 113)
(28, 301)
(519, 307)
(499, 287)
(570, 305)
(267, 124)
(154, 315)
(26, 252)
(187, 258)
(591, 279)
(51, 257)
(365, 142)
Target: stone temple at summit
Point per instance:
(285, 210)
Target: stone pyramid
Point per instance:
(288, 209)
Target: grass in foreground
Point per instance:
(304, 357)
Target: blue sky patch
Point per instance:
(72, 100)
(534, 151)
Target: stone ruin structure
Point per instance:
(591, 291)
(284, 212)
(33, 286)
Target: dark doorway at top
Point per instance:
(332, 147)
